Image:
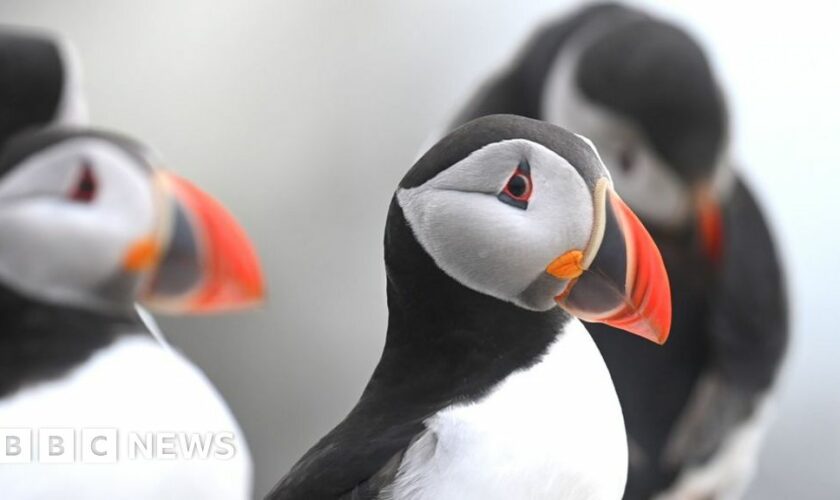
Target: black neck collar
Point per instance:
(445, 341)
(39, 341)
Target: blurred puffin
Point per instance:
(485, 388)
(40, 82)
(642, 90)
(89, 226)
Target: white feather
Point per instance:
(73, 108)
(554, 430)
(727, 474)
(133, 385)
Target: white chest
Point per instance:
(137, 388)
(553, 431)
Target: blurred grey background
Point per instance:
(301, 116)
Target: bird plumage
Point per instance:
(485, 389)
(90, 228)
(76, 370)
(40, 82)
(642, 90)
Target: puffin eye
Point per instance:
(518, 189)
(626, 159)
(85, 188)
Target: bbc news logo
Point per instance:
(107, 445)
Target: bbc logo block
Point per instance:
(94, 445)
(58, 446)
(16, 446)
(99, 446)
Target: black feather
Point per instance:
(41, 342)
(31, 82)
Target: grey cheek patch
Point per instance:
(488, 245)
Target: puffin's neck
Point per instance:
(39, 341)
(446, 342)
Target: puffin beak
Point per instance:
(709, 221)
(207, 263)
(620, 278)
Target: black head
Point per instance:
(87, 221)
(88, 227)
(655, 75)
(40, 82)
(643, 90)
(489, 187)
(518, 210)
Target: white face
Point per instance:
(61, 240)
(493, 246)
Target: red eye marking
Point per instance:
(519, 187)
(85, 189)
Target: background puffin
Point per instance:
(486, 389)
(40, 82)
(643, 91)
(88, 226)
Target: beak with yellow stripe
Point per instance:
(87, 220)
(619, 279)
(199, 260)
(526, 212)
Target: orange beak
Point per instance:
(625, 285)
(710, 223)
(208, 263)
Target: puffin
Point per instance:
(90, 226)
(40, 82)
(498, 240)
(642, 89)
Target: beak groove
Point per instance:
(625, 285)
(210, 265)
(647, 308)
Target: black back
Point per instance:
(750, 309)
(31, 82)
(729, 319)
